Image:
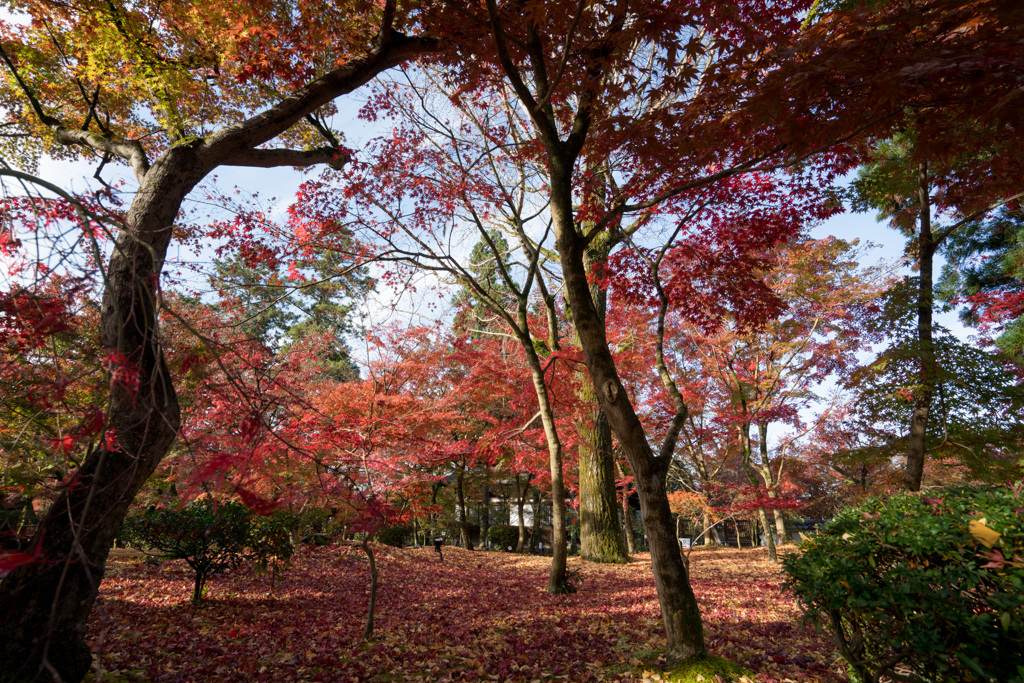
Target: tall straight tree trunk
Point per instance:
(780, 522)
(768, 476)
(600, 538)
(768, 536)
(923, 393)
(709, 531)
(748, 468)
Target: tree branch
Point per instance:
(273, 158)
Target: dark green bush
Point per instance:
(921, 588)
(317, 526)
(397, 535)
(270, 541)
(503, 536)
(212, 537)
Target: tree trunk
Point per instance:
(923, 393)
(556, 577)
(708, 529)
(763, 518)
(45, 605)
(368, 629)
(535, 538)
(780, 526)
(600, 540)
(627, 515)
(460, 498)
(485, 508)
(521, 490)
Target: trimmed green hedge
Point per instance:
(923, 588)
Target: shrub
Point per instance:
(212, 537)
(270, 542)
(921, 588)
(503, 536)
(318, 526)
(394, 535)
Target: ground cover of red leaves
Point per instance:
(475, 617)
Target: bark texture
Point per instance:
(600, 538)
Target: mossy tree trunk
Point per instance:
(600, 537)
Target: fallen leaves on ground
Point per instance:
(475, 617)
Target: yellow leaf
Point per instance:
(985, 536)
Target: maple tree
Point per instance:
(571, 91)
(173, 93)
(489, 201)
(767, 374)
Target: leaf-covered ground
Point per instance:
(477, 616)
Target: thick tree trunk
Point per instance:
(680, 613)
(44, 606)
(923, 394)
(600, 539)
